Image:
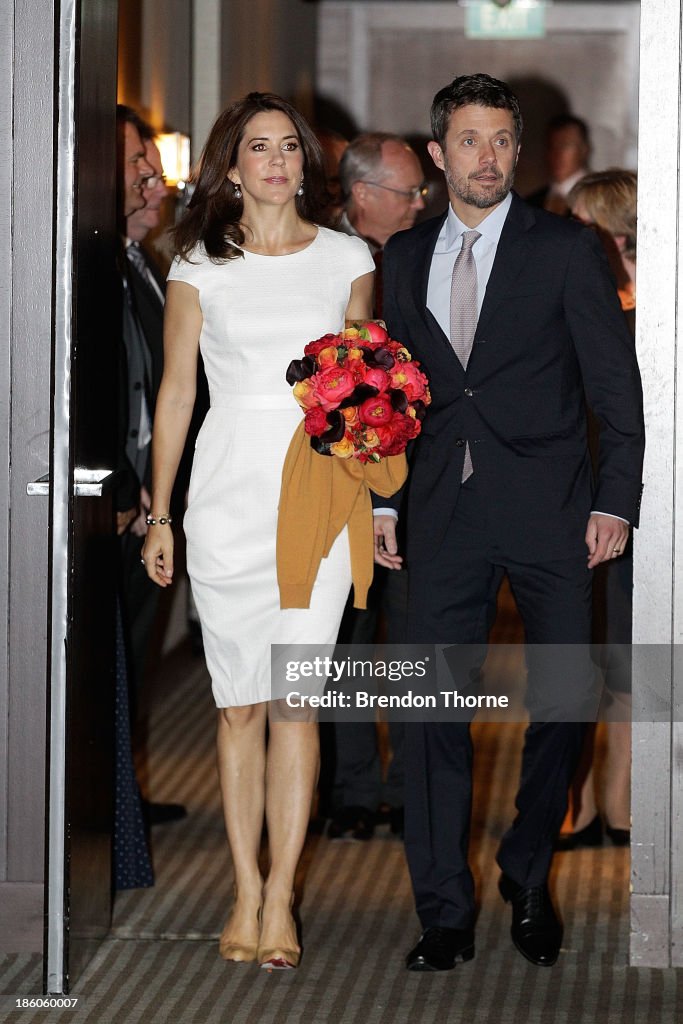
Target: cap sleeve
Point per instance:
(188, 270)
(359, 258)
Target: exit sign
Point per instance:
(520, 19)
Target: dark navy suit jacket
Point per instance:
(551, 335)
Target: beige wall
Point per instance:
(181, 61)
(383, 62)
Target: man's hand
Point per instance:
(124, 519)
(139, 525)
(606, 538)
(386, 547)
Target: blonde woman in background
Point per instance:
(607, 201)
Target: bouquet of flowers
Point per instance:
(362, 393)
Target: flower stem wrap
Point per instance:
(318, 498)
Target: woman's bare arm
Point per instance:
(175, 402)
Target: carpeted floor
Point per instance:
(161, 962)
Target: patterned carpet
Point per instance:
(161, 963)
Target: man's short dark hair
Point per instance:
(560, 121)
(478, 90)
(126, 115)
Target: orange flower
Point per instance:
(304, 394)
(350, 414)
(327, 357)
(344, 448)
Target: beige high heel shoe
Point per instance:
(277, 958)
(238, 952)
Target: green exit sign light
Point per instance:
(520, 19)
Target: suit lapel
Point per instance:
(423, 253)
(509, 260)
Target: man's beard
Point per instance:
(465, 191)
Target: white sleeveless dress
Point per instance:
(259, 312)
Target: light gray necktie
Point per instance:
(464, 313)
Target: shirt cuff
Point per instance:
(385, 512)
(597, 512)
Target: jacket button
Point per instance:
(469, 392)
(133, 433)
(459, 442)
(137, 386)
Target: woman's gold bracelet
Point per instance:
(164, 520)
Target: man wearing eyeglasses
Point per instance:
(382, 185)
(383, 190)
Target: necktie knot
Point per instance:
(469, 238)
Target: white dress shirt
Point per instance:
(448, 245)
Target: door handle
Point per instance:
(88, 483)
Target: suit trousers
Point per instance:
(358, 769)
(452, 600)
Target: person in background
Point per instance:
(607, 201)
(333, 146)
(567, 153)
(131, 860)
(382, 184)
(144, 293)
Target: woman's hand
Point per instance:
(157, 554)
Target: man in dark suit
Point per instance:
(567, 149)
(143, 325)
(514, 316)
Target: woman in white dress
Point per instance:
(254, 280)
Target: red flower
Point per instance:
(315, 422)
(377, 378)
(376, 411)
(407, 378)
(332, 386)
(395, 435)
(314, 347)
(374, 334)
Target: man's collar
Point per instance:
(490, 227)
(563, 188)
(348, 228)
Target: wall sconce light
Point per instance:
(174, 148)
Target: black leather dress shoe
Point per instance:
(161, 814)
(440, 949)
(536, 930)
(352, 823)
(591, 835)
(618, 836)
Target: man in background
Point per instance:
(567, 153)
(143, 320)
(383, 189)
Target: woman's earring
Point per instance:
(237, 194)
(300, 190)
